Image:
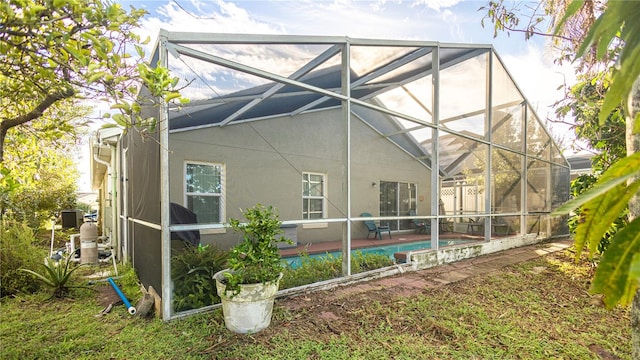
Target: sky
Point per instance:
(448, 21)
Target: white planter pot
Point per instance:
(248, 311)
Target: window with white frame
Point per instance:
(204, 191)
(313, 196)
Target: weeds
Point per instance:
(329, 267)
(129, 282)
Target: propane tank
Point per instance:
(88, 243)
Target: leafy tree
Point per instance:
(541, 18)
(613, 39)
(55, 50)
(40, 159)
(618, 273)
(582, 103)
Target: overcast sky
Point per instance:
(450, 21)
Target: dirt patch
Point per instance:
(107, 295)
(328, 315)
(602, 353)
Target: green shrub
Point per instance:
(311, 270)
(192, 272)
(328, 267)
(18, 249)
(361, 262)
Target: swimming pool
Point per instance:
(389, 250)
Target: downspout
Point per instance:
(113, 179)
(108, 165)
(114, 201)
(95, 157)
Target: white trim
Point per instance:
(213, 231)
(323, 197)
(323, 225)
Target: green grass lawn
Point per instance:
(539, 309)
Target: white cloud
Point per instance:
(380, 4)
(455, 30)
(212, 17)
(354, 19)
(436, 5)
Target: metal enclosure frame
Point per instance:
(172, 45)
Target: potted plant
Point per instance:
(248, 287)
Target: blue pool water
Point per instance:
(389, 250)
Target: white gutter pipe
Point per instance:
(100, 161)
(114, 178)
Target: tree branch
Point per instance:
(532, 32)
(49, 100)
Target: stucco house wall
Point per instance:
(263, 161)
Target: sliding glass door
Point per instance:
(397, 199)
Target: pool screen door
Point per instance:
(397, 199)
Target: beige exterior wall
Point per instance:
(263, 162)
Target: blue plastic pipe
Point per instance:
(126, 302)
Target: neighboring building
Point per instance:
(325, 129)
(580, 165)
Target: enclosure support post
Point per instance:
(489, 190)
(125, 207)
(524, 208)
(346, 114)
(435, 158)
(163, 122)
